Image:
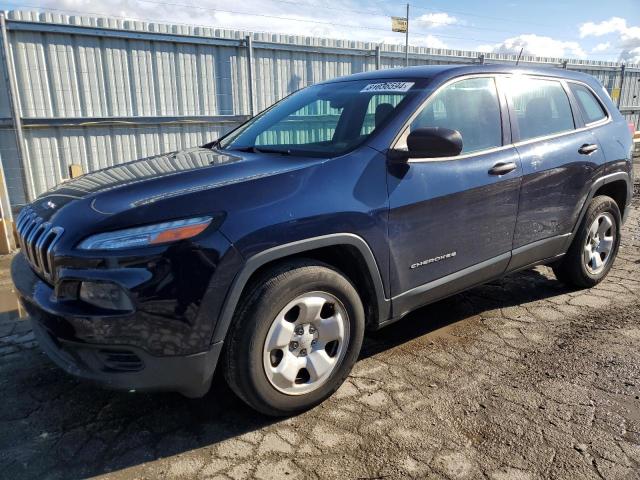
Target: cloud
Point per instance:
(332, 19)
(435, 20)
(335, 19)
(349, 19)
(429, 41)
(416, 40)
(627, 36)
(613, 25)
(601, 47)
(533, 44)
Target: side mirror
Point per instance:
(431, 142)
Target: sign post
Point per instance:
(406, 41)
(401, 24)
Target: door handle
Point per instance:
(588, 148)
(503, 168)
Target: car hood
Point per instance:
(148, 180)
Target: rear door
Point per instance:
(597, 118)
(451, 220)
(560, 158)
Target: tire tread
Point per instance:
(570, 269)
(236, 363)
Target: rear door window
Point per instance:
(541, 107)
(591, 108)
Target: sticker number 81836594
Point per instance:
(388, 87)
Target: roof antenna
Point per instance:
(519, 55)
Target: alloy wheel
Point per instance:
(599, 243)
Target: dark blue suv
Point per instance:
(340, 209)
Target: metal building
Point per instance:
(100, 91)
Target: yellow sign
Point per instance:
(399, 24)
(615, 94)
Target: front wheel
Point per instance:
(595, 246)
(296, 335)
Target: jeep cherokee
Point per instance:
(343, 207)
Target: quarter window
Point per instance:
(541, 107)
(470, 106)
(591, 108)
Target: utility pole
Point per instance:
(622, 70)
(401, 25)
(406, 41)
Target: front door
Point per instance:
(451, 220)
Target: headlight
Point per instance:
(147, 235)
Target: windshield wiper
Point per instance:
(254, 149)
(272, 150)
(212, 145)
(242, 149)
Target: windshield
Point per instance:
(322, 120)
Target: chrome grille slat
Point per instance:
(49, 253)
(37, 240)
(43, 237)
(21, 220)
(30, 227)
(30, 238)
(33, 241)
(27, 219)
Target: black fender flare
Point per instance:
(253, 263)
(598, 183)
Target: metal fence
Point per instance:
(98, 91)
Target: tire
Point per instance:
(575, 269)
(305, 304)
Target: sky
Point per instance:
(586, 29)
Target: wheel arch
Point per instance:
(604, 186)
(347, 252)
(616, 189)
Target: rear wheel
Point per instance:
(595, 246)
(296, 335)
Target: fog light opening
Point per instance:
(105, 295)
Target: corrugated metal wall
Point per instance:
(9, 158)
(630, 96)
(100, 91)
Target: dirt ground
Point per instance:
(519, 379)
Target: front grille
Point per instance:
(37, 239)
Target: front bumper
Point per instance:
(61, 332)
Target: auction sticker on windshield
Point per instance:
(388, 87)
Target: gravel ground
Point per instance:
(519, 379)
